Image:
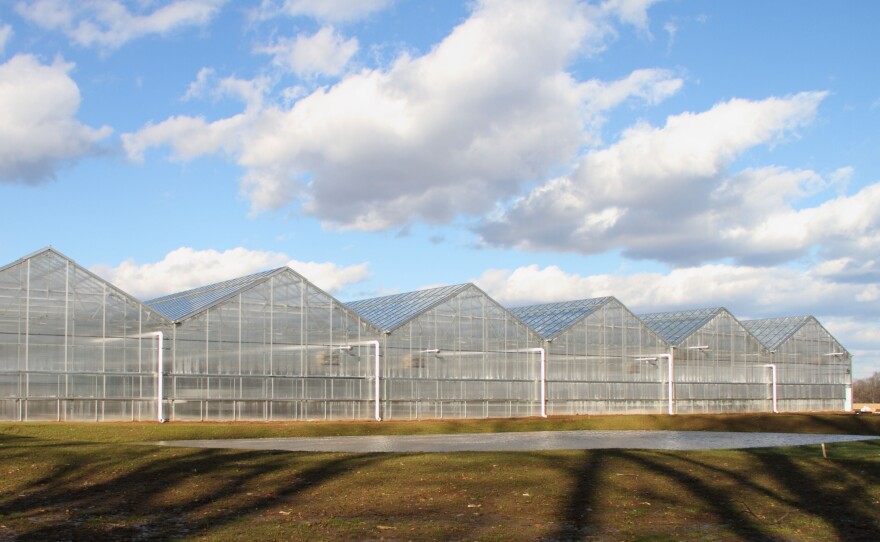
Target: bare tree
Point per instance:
(867, 390)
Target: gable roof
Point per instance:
(551, 319)
(675, 326)
(48, 260)
(772, 332)
(392, 311)
(182, 305)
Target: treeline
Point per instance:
(867, 390)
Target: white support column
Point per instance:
(772, 367)
(670, 362)
(160, 371)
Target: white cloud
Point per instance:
(249, 91)
(194, 136)
(330, 276)
(671, 28)
(489, 109)
(39, 131)
(647, 86)
(186, 268)
(843, 227)
(326, 52)
(110, 23)
(324, 10)
(665, 193)
(749, 292)
(5, 35)
(634, 12)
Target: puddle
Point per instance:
(526, 441)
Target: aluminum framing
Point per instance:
(273, 346)
(601, 358)
(718, 365)
(269, 346)
(453, 352)
(72, 346)
(814, 369)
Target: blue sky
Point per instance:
(672, 154)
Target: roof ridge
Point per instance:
(213, 286)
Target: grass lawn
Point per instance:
(62, 481)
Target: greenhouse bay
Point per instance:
(273, 346)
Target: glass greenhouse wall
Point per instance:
(718, 366)
(269, 346)
(272, 346)
(601, 358)
(814, 371)
(72, 346)
(453, 352)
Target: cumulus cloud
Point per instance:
(748, 291)
(194, 136)
(39, 131)
(110, 23)
(451, 132)
(665, 192)
(326, 52)
(324, 10)
(645, 86)
(5, 35)
(634, 12)
(186, 268)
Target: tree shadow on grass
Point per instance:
(751, 498)
(591, 477)
(836, 493)
(578, 517)
(163, 498)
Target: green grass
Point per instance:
(93, 482)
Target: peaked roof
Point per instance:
(772, 332)
(551, 319)
(392, 311)
(43, 256)
(676, 326)
(184, 304)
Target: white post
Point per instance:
(160, 370)
(543, 380)
(671, 393)
(378, 377)
(772, 367)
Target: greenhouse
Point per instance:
(715, 364)
(601, 358)
(813, 369)
(74, 347)
(268, 346)
(453, 352)
(272, 346)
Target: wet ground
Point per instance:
(525, 441)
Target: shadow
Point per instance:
(140, 504)
(716, 499)
(577, 513)
(850, 423)
(839, 496)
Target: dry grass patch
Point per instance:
(86, 482)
